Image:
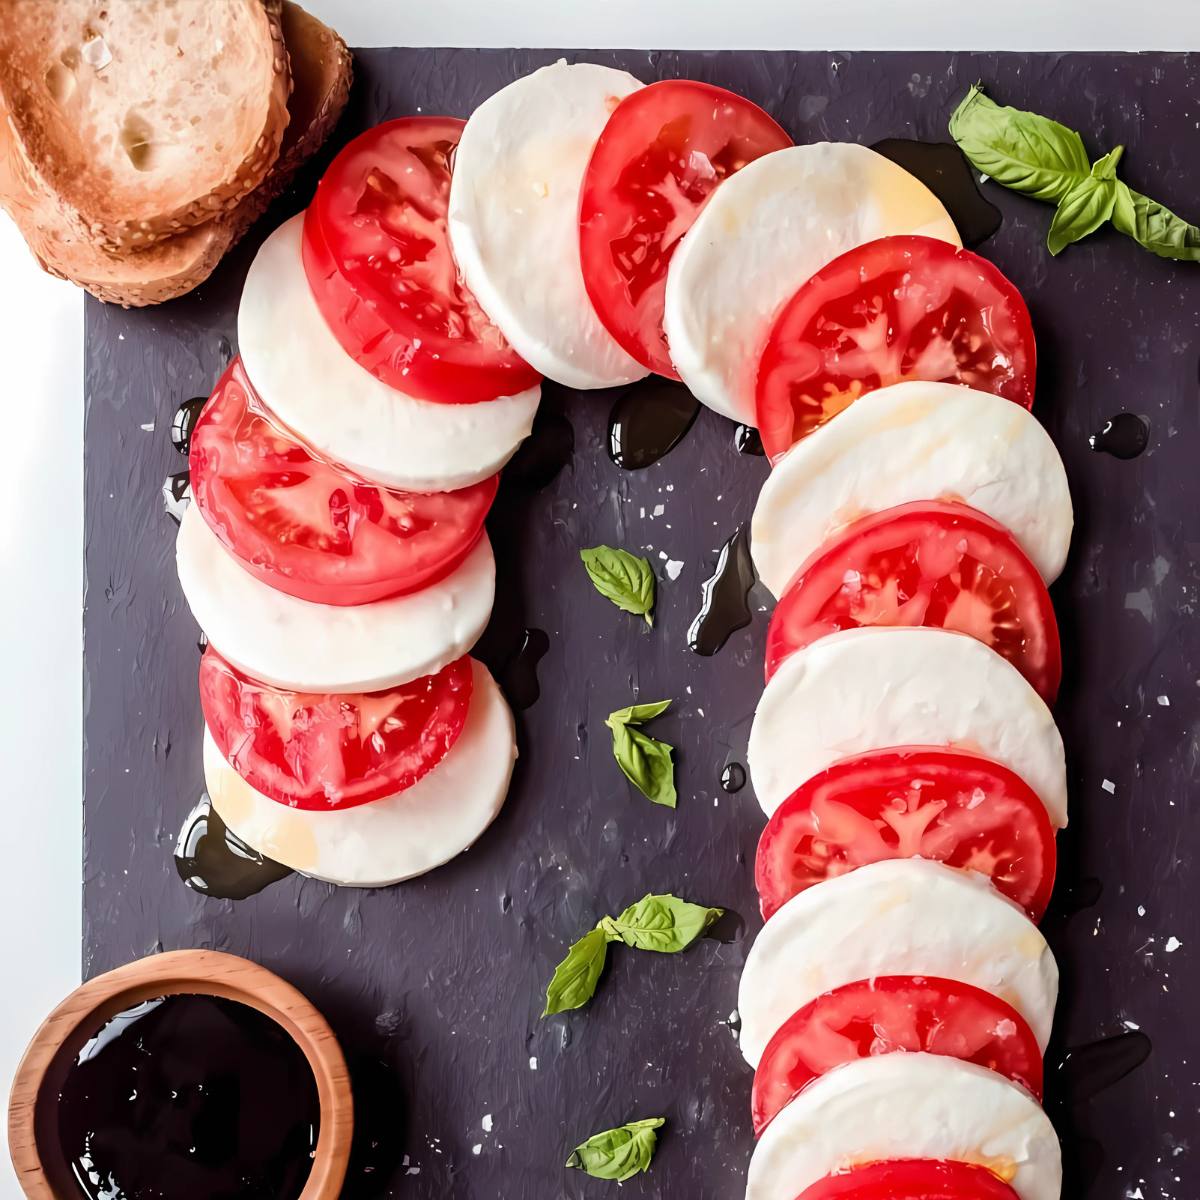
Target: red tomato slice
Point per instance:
(912, 1179)
(378, 259)
(890, 1014)
(931, 563)
(663, 151)
(321, 751)
(306, 527)
(917, 801)
(894, 309)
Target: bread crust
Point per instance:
(175, 265)
(106, 105)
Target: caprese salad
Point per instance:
(586, 228)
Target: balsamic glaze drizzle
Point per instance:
(746, 440)
(725, 607)
(944, 170)
(1124, 436)
(648, 419)
(184, 421)
(213, 860)
(519, 677)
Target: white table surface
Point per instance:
(41, 335)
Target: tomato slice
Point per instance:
(309, 529)
(898, 308)
(890, 1014)
(322, 751)
(917, 801)
(378, 259)
(663, 151)
(931, 563)
(912, 1179)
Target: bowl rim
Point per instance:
(176, 972)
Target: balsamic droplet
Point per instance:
(1088, 1070)
(727, 928)
(733, 778)
(724, 608)
(184, 421)
(548, 448)
(647, 420)
(944, 170)
(1124, 436)
(520, 680)
(746, 440)
(213, 860)
(177, 495)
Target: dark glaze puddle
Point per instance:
(647, 420)
(746, 440)
(944, 170)
(189, 1096)
(547, 449)
(176, 495)
(733, 778)
(725, 607)
(212, 860)
(519, 680)
(184, 421)
(1124, 436)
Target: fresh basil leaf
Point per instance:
(1106, 167)
(1082, 211)
(664, 924)
(1154, 226)
(575, 978)
(646, 763)
(638, 714)
(623, 578)
(1021, 150)
(618, 1153)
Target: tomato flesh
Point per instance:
(929, 802)
(899, 308)
(887, 1015)
(377, 256)
(931, 563)
(912, 1179)
(663, 151)
(308, 528)
(322, 751)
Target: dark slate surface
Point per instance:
(435, 987)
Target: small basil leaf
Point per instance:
(623, 578)
(1106, 167)
(638, 714)
(646, 763)
(1082, 211)
(664, 924)
(1021, 150)
(1155, 227)
(575, 978)
(618, 1153)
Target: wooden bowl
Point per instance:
(32, 1130)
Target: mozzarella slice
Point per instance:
(388, 840)
(914, 441)
(762, 234)
(899, 1106)
(342, 411)
(311, 647)
(879, 687)
(902, 916)
(514, 218)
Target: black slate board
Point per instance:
(435, 987)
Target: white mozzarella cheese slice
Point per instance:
(514, 218)
(311, 647)
(902, 916)
(886, 686)
(343, 412)
(389, 840)
(764, 232)
(914, 441)
(904, 1106)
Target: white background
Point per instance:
(41, 336)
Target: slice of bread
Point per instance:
(144, 117)
(321, 68)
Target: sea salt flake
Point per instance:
(1172, 944)
(1109, 787)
